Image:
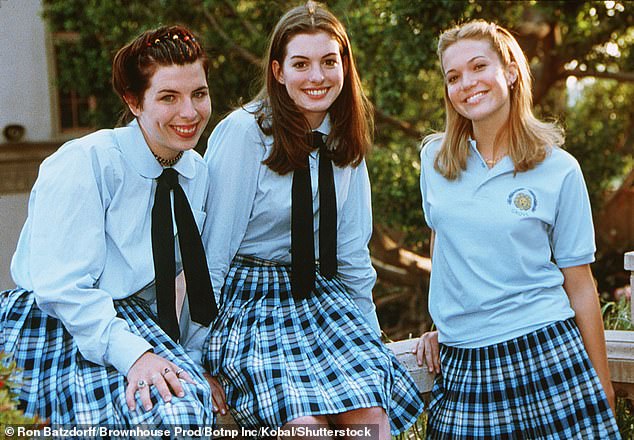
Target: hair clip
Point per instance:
(170, 36)
(310, 5)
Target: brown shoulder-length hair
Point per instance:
(135, 63)
(351, 113)
(529, 138)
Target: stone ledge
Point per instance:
(629, 261)
(19, 163)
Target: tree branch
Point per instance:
(246, 24)
(241, 51)
(618, 76)
(403, 126)
(545, 73)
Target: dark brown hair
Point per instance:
(351, 113)
(135, 63)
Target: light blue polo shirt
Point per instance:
(501, 239)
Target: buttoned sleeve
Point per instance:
(572, 234)
(355, 229)
(234, 155)
(66, 255)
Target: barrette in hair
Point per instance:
(171, 36)
(310, 5)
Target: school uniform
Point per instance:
(85, 307)
(512, 360)
(278, 356)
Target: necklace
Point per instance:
(491, 162)
(494, 159)
(168, 162)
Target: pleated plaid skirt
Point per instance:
(59, 384)
(279, 359)
(538, 386)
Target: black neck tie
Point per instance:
(327, 211)
(302, 234)
(202, 304)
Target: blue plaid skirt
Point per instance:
(537, 386)
(59, 384)
(279, 359)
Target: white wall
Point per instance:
(13, 209)
(25, 96)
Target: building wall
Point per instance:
(25, 89)
(25, 99)
(13, 209)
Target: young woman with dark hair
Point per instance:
(93, 324)
(297, 340)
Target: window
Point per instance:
(74, 110)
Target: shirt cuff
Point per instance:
(124, 348)
(575, 261)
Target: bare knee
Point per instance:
(309, 424)
(374, 415)
(308, 420)
(373, 419)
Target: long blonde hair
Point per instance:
(529, 138)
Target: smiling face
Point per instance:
(313, 74)
(175, 108)
(477, 82)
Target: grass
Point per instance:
(617, 316)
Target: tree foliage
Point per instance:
(394, 42)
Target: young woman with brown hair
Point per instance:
(93, 323)
(297, 340)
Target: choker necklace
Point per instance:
(168, 162)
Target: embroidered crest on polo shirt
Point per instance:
(522, 201)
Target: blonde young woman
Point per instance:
(520, 346)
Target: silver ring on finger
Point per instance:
(141, 384)
(166, 371)
(179, 372)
